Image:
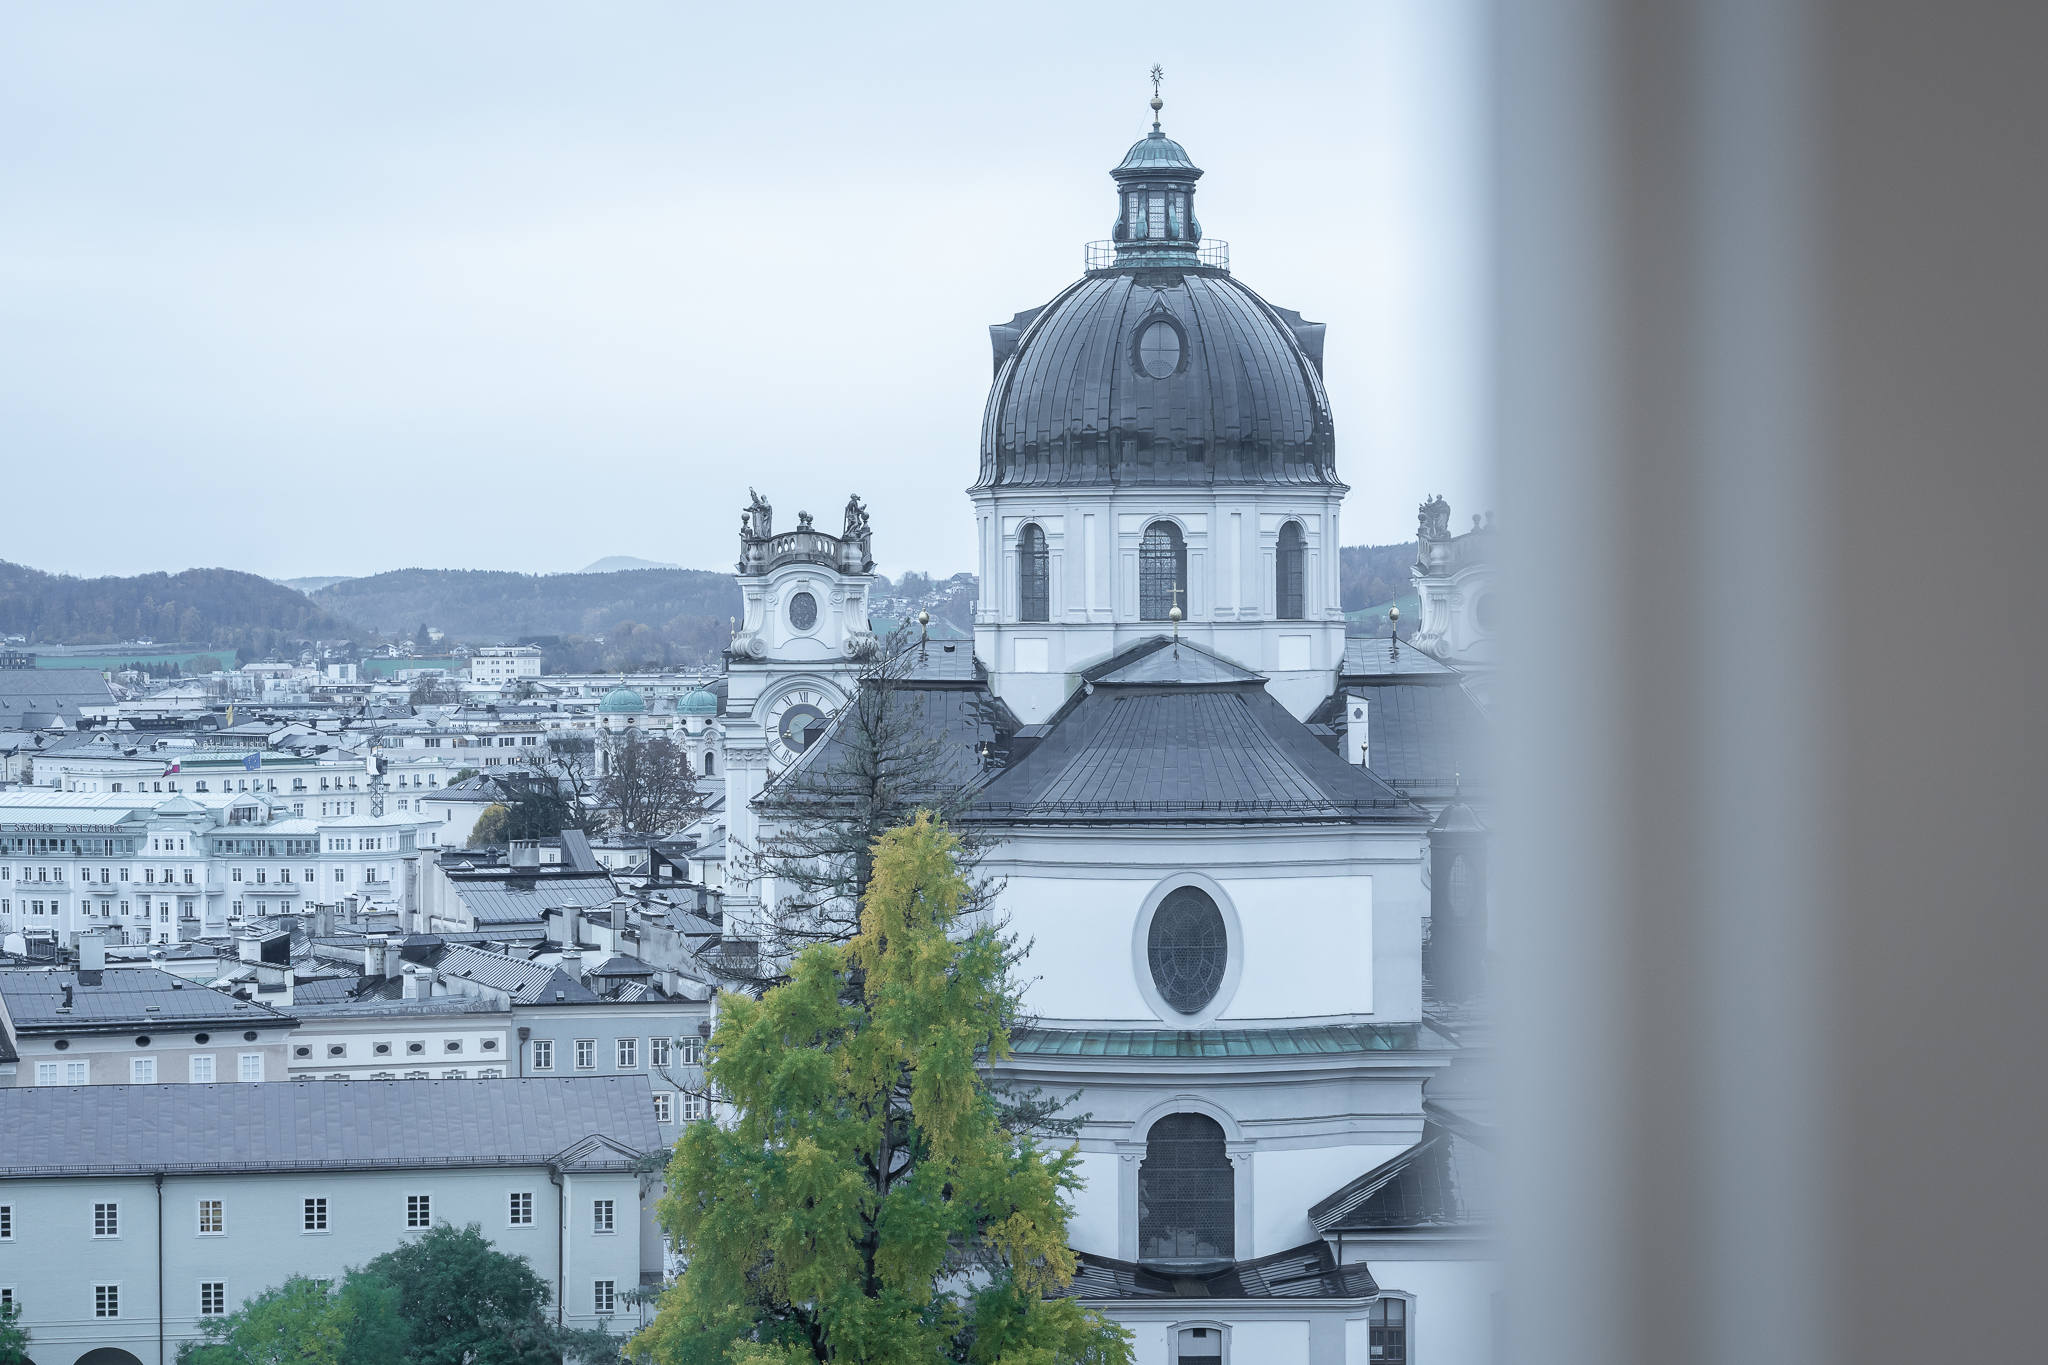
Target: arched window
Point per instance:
(1034, 585)
(707, 763)
(1162, 567)
(1187, 1192)
(1187, 949)
(1287, 594)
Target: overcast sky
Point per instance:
(336, 289)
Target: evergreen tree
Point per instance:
(464, 1302)
(869, 1203)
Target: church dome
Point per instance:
(1158, 367)
(622, 701)
(698, 703)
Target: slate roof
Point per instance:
(526, 983)
(1449, 1179)
(623, 965)
(576, 852)
(1168, 661)
(139, 998)
(1377, 658)
(50, 691)
(505, 899)
(322, 1125)
(1426, 735)
(1276, 1042)
(1223, 753)
(1303, 1272)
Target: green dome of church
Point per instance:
(698, 703)
(622, 701)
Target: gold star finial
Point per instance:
(1158, 75)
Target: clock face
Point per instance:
(794, 713)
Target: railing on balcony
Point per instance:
(1210, 251)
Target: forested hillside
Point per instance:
(1372, 574)
(218, 607)
(636, 617)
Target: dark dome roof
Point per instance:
(1156, 151)
(1072, 407)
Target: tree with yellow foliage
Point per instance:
(866, 1203)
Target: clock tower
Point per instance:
(793, 662)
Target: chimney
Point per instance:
(412, 982)
(92, 953)
(1357, 746)
(572, 963)
(523, 855)
(251, 946)
(373, 957)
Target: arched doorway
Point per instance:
(108, 1355)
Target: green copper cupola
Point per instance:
(1156, 223)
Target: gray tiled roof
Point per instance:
(126, 997)
(1169, 661)
(1425, 735)
(1445, 1180)
(319, 1125)
(527, 983)
(1303, 1272)
(521, 900)
(1370, 658)
(1230, 753)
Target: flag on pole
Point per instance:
(252, 761)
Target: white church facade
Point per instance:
(1213, 816)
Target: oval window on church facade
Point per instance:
(1187, 949)
(803, 611)
(1159, 350)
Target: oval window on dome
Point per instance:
(1159, 350)
(803, 611)
(1187, 949)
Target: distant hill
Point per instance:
(214, 607)
(605, 620)
(310, 584)
(1374, 575)
(614, 563)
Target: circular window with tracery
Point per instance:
(1159, 350)
(803, 611)
(1187, 949)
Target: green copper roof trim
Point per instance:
(1279, 1042)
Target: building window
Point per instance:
(628, 1053)
(543, 1055)
(707, 763)
(605, 1297)
(1187, 1192)
(1162, 568)
(520, 1214)
(658, 1051)
(106, 1300)
(213, 1298)
(1034, 576)
(692, 1050)
(601, 1216)
(251, 1066)
(142, 1071)
(6, 1222)
(693, 1108)
(1199, 1346)
(316, 1215)
(586, 1053)
(419, 1211)
(664, 1107)
(201, 1069)
(1159, 350)
(1287, 575)
(106, 1220)
(62, 1073)
(1387, 1329)
(1187, 948)
(213, 1218)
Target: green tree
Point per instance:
(465, 1302)
(317, 1322)
(13, 1336)
(491, 826)
(869, 1204)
